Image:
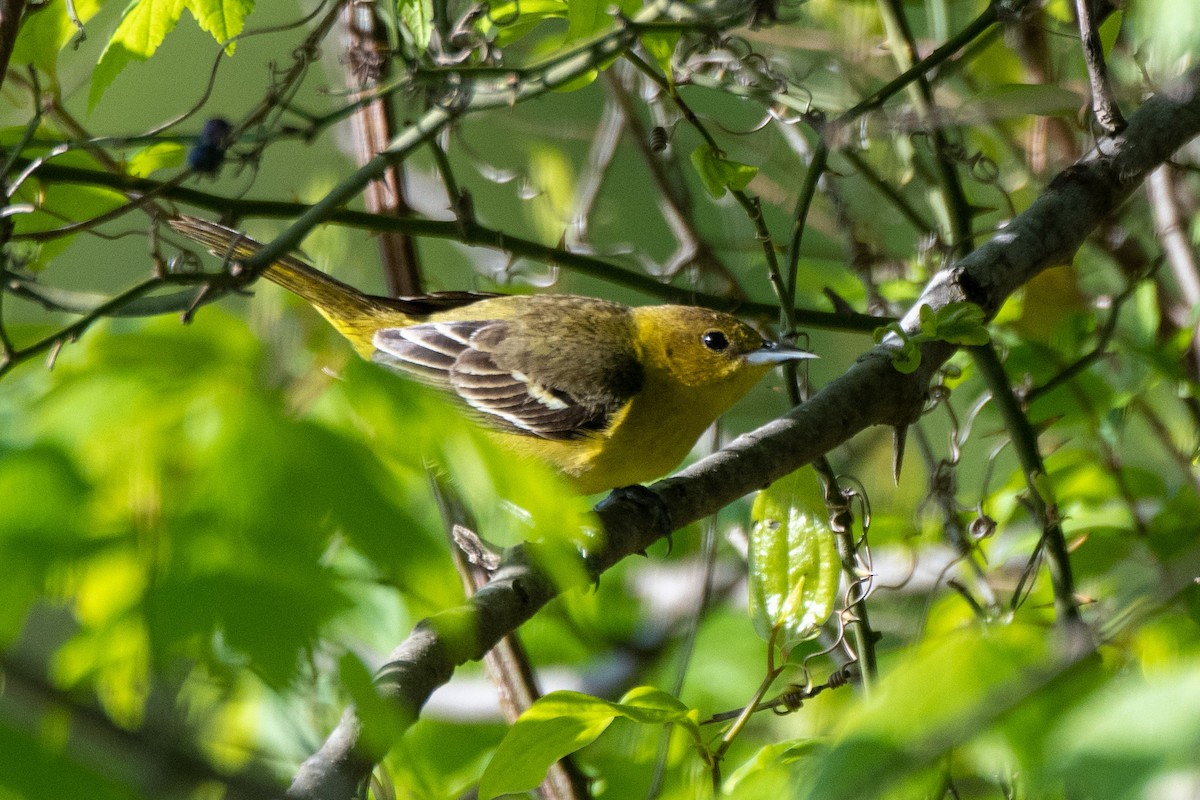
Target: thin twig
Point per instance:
(1104, 105)
(1171, 227)
(904, 49)
(469, 232)
(890, 193)
(988, 17)
(56, 340)
(812, 177)
(1024, 439)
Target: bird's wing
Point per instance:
(478, 361)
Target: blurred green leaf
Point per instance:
(939, 696)
(1167, 35)
(563, 722)
(43, 526)
(1130, 741)
(160, 155)
(720, 174)
(44, 496)
(1009, 101)
(662, 47)
(768, 774)
(1044, 486)
(585, 18)
(417, 16)
(144, 26)
(44, 33)
(959, 323)
(510, 21)
(42, 766)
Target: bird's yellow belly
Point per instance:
(644, 442)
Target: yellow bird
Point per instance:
(607, 394)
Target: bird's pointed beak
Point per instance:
(776, 353)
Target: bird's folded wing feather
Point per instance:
(478, 361)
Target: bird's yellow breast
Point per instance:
(646, 439)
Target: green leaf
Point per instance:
(652, 706)
(1128, 740)
(160, 155)
(562, 723)
(417, 16)
(719, 173)
(224, 19)
(770, 762)
(585, 18)
(936, 698)
(793, 564)
(881, 333)
(957, 323)
(662, 47)
(145, 25)
(142, 29)
(509, 21)
(554, 726)
(928, 320)
(907, 357)
(44, 33)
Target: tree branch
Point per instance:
(870, 393)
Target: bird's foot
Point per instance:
(651, 505)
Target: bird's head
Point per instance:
(700, 348)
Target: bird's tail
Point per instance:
(355, 315)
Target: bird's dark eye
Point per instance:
(714, 340)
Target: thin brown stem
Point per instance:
(1104, 105)
(368, 64)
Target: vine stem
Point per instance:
(773, 673)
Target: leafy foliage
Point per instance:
(718, 173)
(958, 323)
(562, 723)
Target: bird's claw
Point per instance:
(649, 501)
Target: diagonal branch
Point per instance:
(871, 392)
